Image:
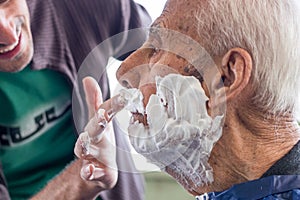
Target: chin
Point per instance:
(19, 62)
(26, 54)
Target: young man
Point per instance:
(42, 45)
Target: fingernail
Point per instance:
(101, 117)
(87, 170)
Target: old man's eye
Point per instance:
(154, 50)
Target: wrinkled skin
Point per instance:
(248, 146)
(16, 47)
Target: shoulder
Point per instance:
(77, 7)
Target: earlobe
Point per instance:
(234, 74)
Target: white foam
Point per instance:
(181, 134)
(133, 99)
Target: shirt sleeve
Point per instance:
(3, 193)
(134, 29)
(3, 189)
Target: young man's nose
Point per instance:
(134, 69)
(8, 33)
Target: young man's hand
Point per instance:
(96, 145)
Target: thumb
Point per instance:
(93, 95)
(91, 172)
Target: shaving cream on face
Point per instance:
(133, 98)
(180, 135)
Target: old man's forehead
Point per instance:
(184, 5)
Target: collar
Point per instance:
(283, 176)
(256, 189)
(287, 165)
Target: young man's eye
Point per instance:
(3, 1)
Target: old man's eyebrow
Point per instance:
(154, 38)
(154, 32)
(158, 28)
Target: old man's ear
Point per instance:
(235, 72)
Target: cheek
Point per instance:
(168, 63)
(205, 88)
(21, 7)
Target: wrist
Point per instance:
(69, 185)
(85, 189)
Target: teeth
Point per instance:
(12, 46)
(131, 120)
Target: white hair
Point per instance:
(270, 32)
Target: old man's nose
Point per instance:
(129, 79)
(132, 70)
(134, 77)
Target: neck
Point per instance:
(251, 143)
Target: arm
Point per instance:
(3, 190)
(135, 17)
(85, 179)
(69, 185)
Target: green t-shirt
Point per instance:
(36, 130)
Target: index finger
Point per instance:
(93, 95)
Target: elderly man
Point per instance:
(220, 81)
